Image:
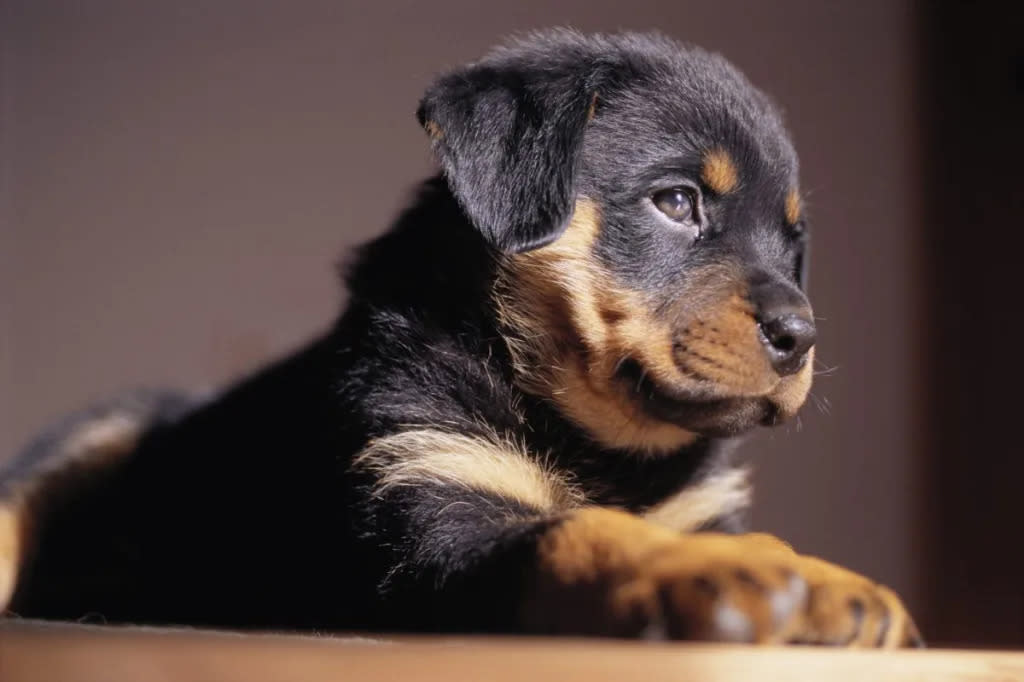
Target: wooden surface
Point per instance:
(31, 653)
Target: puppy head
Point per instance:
(643, 199)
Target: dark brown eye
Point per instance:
(675, 203)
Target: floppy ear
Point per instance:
(508, 139)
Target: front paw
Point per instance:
(713, 588)
(605, 572)
(754, 588)
(847, 609)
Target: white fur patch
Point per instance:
(111, 436)
(703, 502)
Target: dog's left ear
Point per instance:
(508, 137)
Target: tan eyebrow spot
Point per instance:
(793, 206)
(719, 172)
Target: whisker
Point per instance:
(618, 365)
(822, 404)
(640, 381)
(825, 369)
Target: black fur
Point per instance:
(244, 510)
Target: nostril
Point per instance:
(787, 338)
(785, 343)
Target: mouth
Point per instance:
(696, 410)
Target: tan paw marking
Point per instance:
(707, 588)
(847, 609)
(606, 572)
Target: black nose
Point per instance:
(788, 337)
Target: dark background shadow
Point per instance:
(972, 98)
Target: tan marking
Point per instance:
(492, 464)
(699, 504)
(555, 304)
(719, 172)
(596, 540)
(769, 541)
(793, 206)
(602, 571)
(10, 550)
(433, 130)
(830, 620)
(789, 396)
(719, 341)
(591, 574)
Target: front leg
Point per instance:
(480, 537)
(602, 571)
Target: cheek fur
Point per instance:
(568, 327)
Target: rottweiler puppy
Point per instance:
(523, 420)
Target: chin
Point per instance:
(700, 411)
(723, 418)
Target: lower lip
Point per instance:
(696, 412)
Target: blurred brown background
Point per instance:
(179, 179)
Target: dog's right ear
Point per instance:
(508, 136)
